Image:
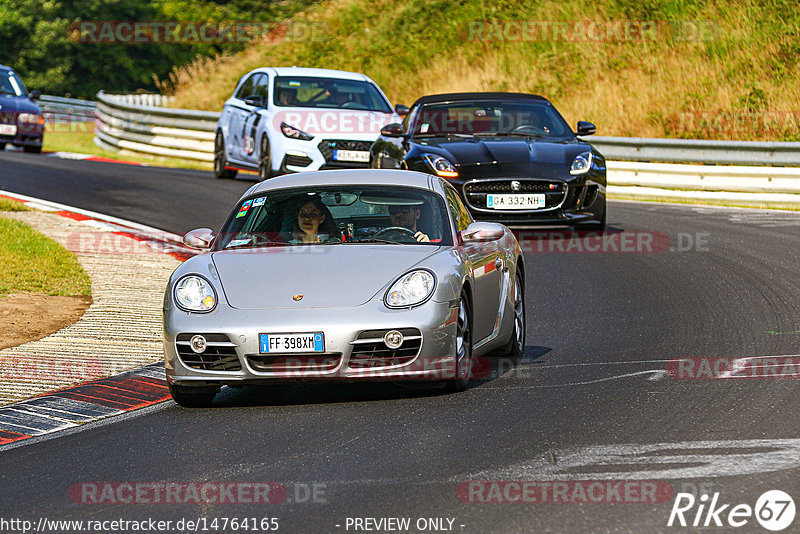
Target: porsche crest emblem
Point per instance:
(297, 297)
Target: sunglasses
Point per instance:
(397, 211)
(309, 214)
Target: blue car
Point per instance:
(21, 120)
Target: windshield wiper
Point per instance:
(251, 244)
(510, 134)
(445, 134)
(377, 240)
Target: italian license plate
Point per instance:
(351, 155)
(515, 202)
(8, 129)
(283, 343)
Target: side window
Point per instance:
(262, 88)
(408, 120)
(458, 209)
(247, 87)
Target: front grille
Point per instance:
(297, 161)
(294, 363)
(475, 192)
(327, 146)
(220, 353)
(369, 350)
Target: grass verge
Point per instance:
(34, 263)
(12, 205)
(698, 202)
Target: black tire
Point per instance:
(32, 149)
(515, 348)
(264, 160)
(193, 397)
(464, 358)
(220, 161)
(2, 146)
(597, 226)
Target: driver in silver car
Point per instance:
(407, 217)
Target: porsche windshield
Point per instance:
(337, 215)
(310, 92)
(490, 117)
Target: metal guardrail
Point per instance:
(697, 151)
(59, 109)
(139, 123)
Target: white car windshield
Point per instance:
(310, 92)
(341, 215)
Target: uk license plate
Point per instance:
(522, 201)
(287, 343)
(351, 155)
(8, 129)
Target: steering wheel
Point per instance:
(401, 230)
(529, 128)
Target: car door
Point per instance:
(488, 271)
(252, 123)
(239, 145)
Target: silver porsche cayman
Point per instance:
(343, 275)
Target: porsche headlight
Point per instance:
(411, 289)
(581, 164)
(440, 165)
(194, 293)
(295, 133)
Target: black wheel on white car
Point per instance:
(32, 149)
(464, 360)
(516, 344)
(220, 161)
(264, 160)
(193, 397)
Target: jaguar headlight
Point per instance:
(194, 293)
(581, 164)
(411, 289)
(440, 165)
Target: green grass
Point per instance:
(83, 142)
(12, 205)
(36, 264)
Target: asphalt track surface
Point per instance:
(601, 330)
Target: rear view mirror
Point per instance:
(35, 94)
(392, 130)
(254, 100)
(479, 232)
(401, 110)
(586, 128)
(200, 238)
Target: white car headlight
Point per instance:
(194, 293)
(411, 289)
(295, 133)
(441, 165)
(30, 118)
(581, 164)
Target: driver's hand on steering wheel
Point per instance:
(422, 238)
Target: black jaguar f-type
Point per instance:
(512, 157)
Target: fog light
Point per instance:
(198, 344)
(393, 339)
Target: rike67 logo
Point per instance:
(774, 510)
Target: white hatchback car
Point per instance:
(289, 119)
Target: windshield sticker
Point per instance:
(244, 208)
(259, 201)
(237, 243)
(294, 84)
(424, 128)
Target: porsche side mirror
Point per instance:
(35, 94)
(254, 100)
(481, 232)
(392, 130)
(200, 238)
(401, 110)
(586, 128)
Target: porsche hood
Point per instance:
(325, 275)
